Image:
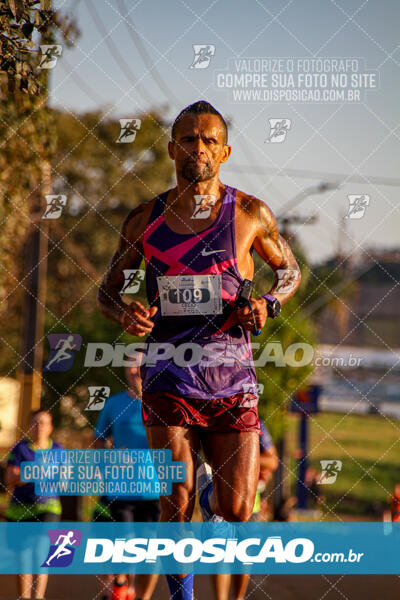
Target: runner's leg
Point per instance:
(121, 512)
(184, 444)
(25, 582)
(235, 460)
(240, 583)
(221, 585)
(41, 585)
(146, 511)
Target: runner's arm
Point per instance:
(133, 317)
(276, 252)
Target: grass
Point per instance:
(369, 448)
(367, 445)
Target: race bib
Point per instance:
(183, 295)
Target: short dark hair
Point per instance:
(201, 107)
(38, 411)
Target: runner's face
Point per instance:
(199, 147)
(41, 426)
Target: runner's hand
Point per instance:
(260, 314)
(136, 319)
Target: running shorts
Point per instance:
(217, 415)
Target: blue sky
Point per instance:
(354, 139)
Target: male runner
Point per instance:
(195, 269)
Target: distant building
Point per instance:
(358, 380)
(359, 336)
(370, 317)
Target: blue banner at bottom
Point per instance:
(258, 548)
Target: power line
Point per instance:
(315, 189)
(247, 151)
(151, 67)
(306, 174)
(157, 77)
(250, 169)
(81, 83)
(117, 56)
(323, 300)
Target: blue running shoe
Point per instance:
(204, 489)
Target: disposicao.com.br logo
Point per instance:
(276, 548)
(62, 547)
(191, 550)
(248, 551)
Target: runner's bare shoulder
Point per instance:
(136, 221)
(255, 212)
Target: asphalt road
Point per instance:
(262, 587)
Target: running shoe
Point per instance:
(119, 591)
(204, 488)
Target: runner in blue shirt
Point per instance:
(25, 504)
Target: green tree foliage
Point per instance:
(27, 140)
(281, 380)
(20, 21)
(103, 180)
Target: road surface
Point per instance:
(262, 587)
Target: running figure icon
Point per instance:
(55, 206)
(63, 346)
(98, 396)
(62, 542)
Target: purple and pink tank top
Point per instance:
(198, 348)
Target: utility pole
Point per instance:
(286, 222)
(321, 188)
(34, 301)
(286, 219)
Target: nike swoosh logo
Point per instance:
(208, 252)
